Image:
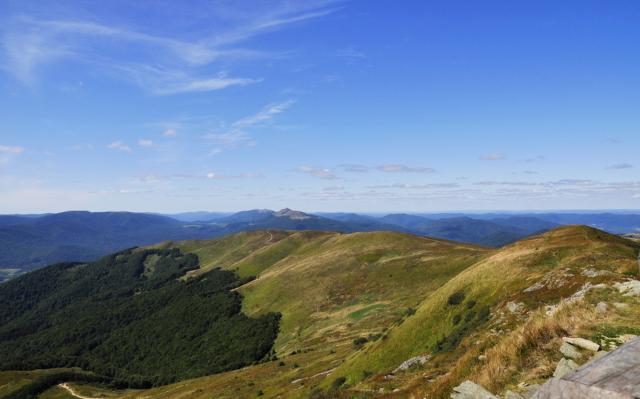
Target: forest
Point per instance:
(129, 317)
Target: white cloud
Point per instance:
(266, 114)
(159, 64)
(399, 168)
(5, 149)
(316, 172)
(119, 146)
(232, 138)
(623, 165)
(493, 157)
(201, 85)
(237, 135)
(170, 132)
(355, 168)
(145, 143)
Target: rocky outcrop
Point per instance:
(570, 351)
(582, 343)
(471, 390)
(614, 375)
(411, 362)
(564, 367)
(628, 288)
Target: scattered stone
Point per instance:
(512, 395)
(629, 288)
(624, 338)
(570, 351)
(595, 273)
(620, 305)
(535, 287)
(549, 310)
(583, 291)
(482, 358)
(515, 307)
(564, 367)
(582, 343)
(411, 362)
(471, 390)
(601, 308)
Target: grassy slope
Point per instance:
(331, 288)
(493, 281)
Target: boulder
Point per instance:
(411, 362)
(582, 343)
(629, 287)
(471, 390)
(570, 351)
(564, 367)
(624, 338)
(601, 308)
(512, 395)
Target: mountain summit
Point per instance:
(291, 214)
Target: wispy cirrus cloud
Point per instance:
(399, 168)
(321, 173)
(386, 168)
(237, 135)
(618, 166)
(492, 157)
(161, 63)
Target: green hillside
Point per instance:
(127, 317)
(355, 306)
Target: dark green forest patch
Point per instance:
(128, 317)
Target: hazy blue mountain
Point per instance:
(528, 224)
(200, 216)
(32, 241)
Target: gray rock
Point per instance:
(564, 367)
(515, 307)
(570, 351)
(471, 390)
(512, 395)
(411, 362)
(582, 343)
(601, 308)
(629, 287)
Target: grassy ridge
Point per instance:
(501, 277)
(357, 305)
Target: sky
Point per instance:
(362, 106)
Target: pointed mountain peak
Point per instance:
(291, 214)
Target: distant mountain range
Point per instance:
(31, 241)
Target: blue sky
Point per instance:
(319, 105)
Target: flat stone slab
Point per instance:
(615, 375)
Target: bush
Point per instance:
(456, 319)
(471, 304)
(338, 382)
(358, 342)
(456, 299)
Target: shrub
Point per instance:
(471, 304)
(338, 382)
(358, 342)
(456, 319)
(456, 299)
